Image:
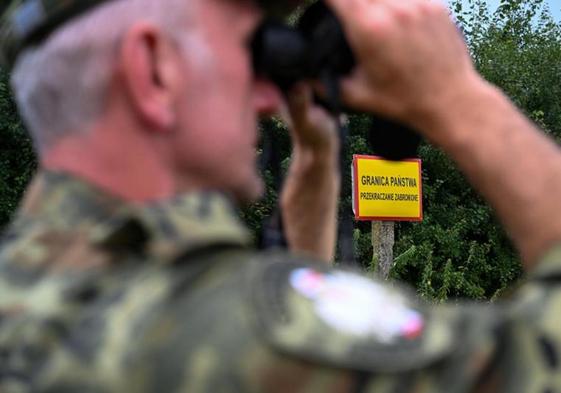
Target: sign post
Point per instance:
(383, 239)
(385, 192)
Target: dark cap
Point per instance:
(28, 22)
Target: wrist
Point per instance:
(444, 121)
(317, 170)
(317, 146)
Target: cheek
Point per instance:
(215, 112)
(212, 144)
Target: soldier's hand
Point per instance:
(412, 58)
(311, 127)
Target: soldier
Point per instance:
(126, 269)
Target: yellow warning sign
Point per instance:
(387, 190)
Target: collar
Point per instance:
(165, 229)
(549, 266)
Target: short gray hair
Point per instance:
(60, 86)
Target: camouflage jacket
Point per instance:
(98, 296)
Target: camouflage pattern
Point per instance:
(29, 22)
(97, 295)
(528, 360)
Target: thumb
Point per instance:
(299, 101)
(344, 8)
(357, 94)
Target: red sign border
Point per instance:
(356, 157)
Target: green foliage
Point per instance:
(274, 136)
(17, 160)
(519, 49)
(458, 250)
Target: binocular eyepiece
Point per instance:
(317, 46)
(317, 49)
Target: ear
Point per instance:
(149, 67)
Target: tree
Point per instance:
(17, 159)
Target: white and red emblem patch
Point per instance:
(356, 305)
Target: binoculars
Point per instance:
(317, 49)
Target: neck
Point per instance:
(121, 160)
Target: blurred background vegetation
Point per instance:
(459, 250)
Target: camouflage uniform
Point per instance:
(97, 295)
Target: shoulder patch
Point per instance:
(343, 319)
(341, 299)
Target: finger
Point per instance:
(345, 8)
(356, 92)
(305, 112)
(299, 101)
(361, 98)
(353, 11)
(284, 114)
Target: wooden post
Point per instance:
(382, 244)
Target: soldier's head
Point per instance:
(175, 73)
